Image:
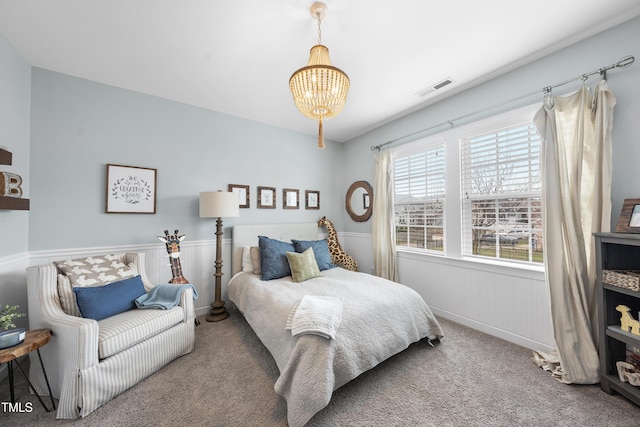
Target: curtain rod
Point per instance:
(622, 63)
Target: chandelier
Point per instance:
(319, 90)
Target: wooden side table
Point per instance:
(32, 341)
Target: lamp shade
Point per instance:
(218, 204)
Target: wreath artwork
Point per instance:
(130, 189)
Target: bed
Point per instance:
(379, 318)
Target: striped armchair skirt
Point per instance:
(90, 362)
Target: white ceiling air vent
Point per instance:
(434, 87)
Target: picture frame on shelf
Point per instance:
(629, 219)
(130, 189)
(266, 197)
(312, 199)
(243, 194)
(290, 198)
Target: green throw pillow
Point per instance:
(303, 266)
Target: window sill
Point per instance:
(517, 270)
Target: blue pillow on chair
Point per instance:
(273, 258)
(320, 249)
(100, 302)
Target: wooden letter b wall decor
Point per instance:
(10, 184)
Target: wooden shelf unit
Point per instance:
(5, 157)
(11, 203)
(616, 251)
(14, 203)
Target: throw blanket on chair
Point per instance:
(318, 315)
(164, 296)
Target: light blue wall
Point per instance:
(78, 126)
(15, 89)
(591, 54)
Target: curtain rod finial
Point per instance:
(626, 61)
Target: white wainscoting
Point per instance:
(360, 247)
(13, 289)
(509, 303)
(197, 259)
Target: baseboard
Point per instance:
(493, 331)
(202, 310)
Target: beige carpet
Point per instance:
(470, 379)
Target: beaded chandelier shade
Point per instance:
(319, 90)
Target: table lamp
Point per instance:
(218, 204)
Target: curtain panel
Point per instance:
(383, 217)
(576, 192)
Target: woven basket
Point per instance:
(622, 278)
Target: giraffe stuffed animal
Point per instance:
(338, 255)
(172, 242)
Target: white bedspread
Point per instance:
(379, 319)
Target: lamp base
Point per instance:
(217, 312)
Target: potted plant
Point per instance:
(10, 337)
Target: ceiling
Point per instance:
(236, 57)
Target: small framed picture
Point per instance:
(266, 197)
(365, 201)
(312, 199)
(242, 192)
(130, 189)
(629, 220)
(290, 198)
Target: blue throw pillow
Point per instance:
(273, 258)
(320, 248)
(100, 302)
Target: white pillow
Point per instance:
(255, 260)
(247, 265)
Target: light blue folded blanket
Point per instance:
(164, 296)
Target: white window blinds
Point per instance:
(501, 209)
(419, 198)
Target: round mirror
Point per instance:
(359, 201)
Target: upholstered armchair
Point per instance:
(89, 362)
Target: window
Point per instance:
(501, 206)
(419, 199)
(473, 192)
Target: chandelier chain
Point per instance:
(319, 29)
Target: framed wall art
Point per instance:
(312, 199)
(266, 197)
(130, 189)
(290, 198)
(629, 220)
(242, 191)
